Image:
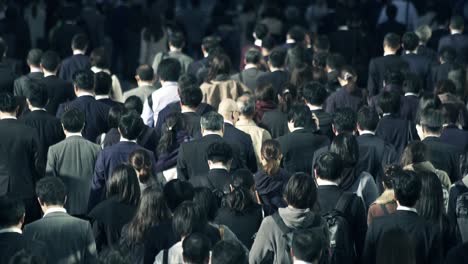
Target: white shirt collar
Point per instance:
(313, 107)
(99, 97)
(8, 117)
(290, 41)
(386, 114)
(76, 52)
(408, 94)
(250, 66)
(35, 70)
(216, 166)
(405, 208)
(37, 109)
(296, 261)
(228, 121)
(258, 42)
(47, 74)
(11, 230)
(297, 128)
(322, 182)
(388, 53)
(410, 52)
(74, 134)
(366, 132)
(55, 210)
(84, 93)
(122, 139)
(453, 32)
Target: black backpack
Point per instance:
(341, 250)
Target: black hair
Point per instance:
(131, 125)
(287, 96)
(430, 204)
(196, 249)
(412, 84)
(207, 201)
(367, 118)
(141, 160)
(177, 191)
(271, 152)
(296, 57)
(99, 58)
(457, 23)
(134, 103)
(391, 11)
(344, 120)
(410, 41)
(407, 186)
(188, 218)
(346, 146)
(169, 70)
(80, 42)
(51, 191)
(389, 102)
(431, 119)
(307, 246)
(145, 72)
(300, 191)
(247, 107)
(3, 48)
(314, 93)
(219, 152)
(228, 252)
(268, 42)
(36, 93)
(34, 57)
(50, 60)
(124, 185)
(390, 172)
(191, 97)
(301, 75)
(297, 33)
(320, 59)
(73, 120)
(210, 43)
(265, 92)
(322, 43)
(448, 54)
(238, 200)
(300, 115)
(115, 113)
(172, 126)
(242, 178)
(187, 81)
(84, 80)
(12, 211)
(329, 166)
(253, 56)
(177, 39)
(392, 40)
(335, 61)
(212, 121)
(347, 73)
(415, 152)
(396, 246)
(277, 57)
(445, 86)
(451, 113)
(219, 64)
(261, 31)
(102, 83)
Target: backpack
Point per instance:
(341, 242)
(461, 210)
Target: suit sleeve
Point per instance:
(98, 182)
(17, 88)
(372, 82)
(51, 163)
(262, 244)
(39, 160)
(116, 90)
(182, 172)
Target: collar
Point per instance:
(218, 167)
(207, 133)
(405, 208)
(74, 134)
(34, 70)
(410, 52)
(78, 52)
(228, 121)
(386, 114)
(388, 53)
(322, 182)
(258, 42)
(8, 117)
(297, 261)
(410, 94)
(47, 74)
(314, 107)
(250, 66)
(168, 84)
(187, 110)
(96, 70)
(296, 129)
(275, 69)
(54, 210)
(100, 97)
(454, 32)
(145, 84)
(366, 132)
(122, 139)
(11, 230)
(37, 109)
(84, 93)
(290, 41)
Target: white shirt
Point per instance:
(8, 117)
(322, 182)
(122, 139)
(161, 98)
(408, 94)
(99, 97)
(11, 230)
(405, 208)
(54, 210)
(84, 93)
(366, 132)
(74, 134)
(37, 109)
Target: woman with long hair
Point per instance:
(349, 95)
(153, 40)
(386, 203)
(142, 162)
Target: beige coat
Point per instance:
(258, 135)
(215, 91)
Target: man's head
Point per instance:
(344, 121)
(253, 56)
(102, 83)
(246, 105)
(301, 191)
(329, 167)
(177, 40)
(131, 125)
(196, 249)
(407, 187)
(83, 80)
(212, 122)
(391, 43)
(51, 191)
(99, 58)
(80, 42)
(73, 120)
(424, 32)
(296, 33)
(191, 97)
(134, 103)
(219, 154)
(177, 191)
(431, 121)
(307, 246)
(410, 41)
(209, 44)
(228, 252)
(187, 81)
(299, 116)
(277, 58)
(34, 58)
(12, 212)
(447, 55)
(36, 92)
(8, 104)
(456, 24)
(367, 119)
(50, 61)
(260, 31)
(169, 70)
(389, 102)
(346, 146)
(144, 73)
(314, 94)
(321, 44)
(229, 110)
(334, 62)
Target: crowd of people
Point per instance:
(322, 132)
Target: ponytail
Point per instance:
(271, 153)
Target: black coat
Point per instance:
(325, 122)
(397, 132)
(421, 66)
(219, 179)
(443, 156)
(276, 122)
(440, 72)
(342, 98)
(238, 137)
(270, 190)
(73, 64)
(157, 238)
(456, 137)
(192, 124)
(175, 108)
(460, 43)
(20, 83)
(377, 69)
(11, 243)
(409, 107)
(7, 77)
(59, 92)
(277, 79)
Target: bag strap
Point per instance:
(221, 232)
(343, 202)
(150, 101)
(165, 256)
(384, 209)
(280, 223)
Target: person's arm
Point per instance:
(98, 182)
(51, 165)
(147, 114)
(251, 159)
(372, 82)
(369, 191)
(116, 90)
(263, 242)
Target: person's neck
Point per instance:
(187, 109)
(174, 49)
(145, 83)
(34, 69)
(48, 73)
(389, 52)
(250, 66)
(455, 31)
(78, 52)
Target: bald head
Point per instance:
(229, 110)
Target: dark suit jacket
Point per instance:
(377, 69)
(397, 132)
(421, 66)
(219, 179)
(342, 98)
(456, 137)
(235, 136)
(95, 115)
(427, 52)
(202, 109)
(11, 243)
(440, 72)
(59, 91)
(68, 239)
(192, 124)
(109, 102)
(298, 148)
(409, 107)
(20, 171)
(460, 43)
(443, 156)
(19, 85)
(7, 77)
(248, 77)
(72, 64)
(425, 237)
(325, 122)
(276, 122)
(277, 79)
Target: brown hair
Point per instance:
(271, 152)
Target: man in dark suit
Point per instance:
(192, 163)
(95, 112)
(251, 70)
(407, 186)
(447, 56)
(451, 133)
(35, 73)
(219, 156)
(298, 147)
(20, 163)
(328, 173)
(47, 126)
(58, 90)
(73, 160)
(7, 75)
(78, 61)
(443, 156)
(199, 68)
(277, 76)
(230, 111)
(12, 214)
(424, 33)
(102, 88)
(130, 127)
(314, 95)
(190, 100)
(390, 61)
(389, 26)
(456, 39)
(418, 64)
(68, 239)
(412, 87)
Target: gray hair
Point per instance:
(246, 106)
(212, 121)
(424, 33)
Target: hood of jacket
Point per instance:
(297, 218)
